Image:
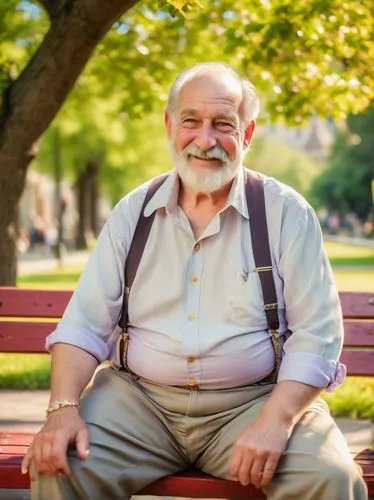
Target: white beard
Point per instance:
(210, 180)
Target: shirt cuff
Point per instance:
(83, 339)
(312, 369)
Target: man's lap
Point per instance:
(140, 431)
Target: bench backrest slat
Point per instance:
(358, 362)
(52, 303)
(357, 304)
(33, 303)
(24, 336)
(359, 333)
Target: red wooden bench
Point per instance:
(40, 310)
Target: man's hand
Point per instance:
(257, 451)
(47, 453)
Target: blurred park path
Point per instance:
(39, 263)
(361, 242)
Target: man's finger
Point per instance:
(257, 472)
(33, 474)
(58, 454)
(269, 470)
(82, 444)
(235, 462)
(244, 474)
(45, 452)
(26, 461)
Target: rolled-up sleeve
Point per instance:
(91, 317)
(311, 353)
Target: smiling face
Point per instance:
(208, 140)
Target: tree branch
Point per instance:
(52, 7)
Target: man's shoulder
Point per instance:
(129, 206)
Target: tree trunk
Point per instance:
(31, 102)
(87, 196)
(83, 205)
(93, 175)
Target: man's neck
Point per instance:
(195, 199)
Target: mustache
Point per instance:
(214, 153)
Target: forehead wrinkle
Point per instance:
(217, 113)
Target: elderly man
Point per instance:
(203, 372)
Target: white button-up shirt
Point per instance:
(196, 310)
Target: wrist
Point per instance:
(280, 414)
(59, 404)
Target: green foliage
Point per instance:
(354, 399)
(345, 185)
(304, 57)
(274, 158)
(312, 56)
(22, 27)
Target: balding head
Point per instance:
(250, 105)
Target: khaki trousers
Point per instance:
(141, 431)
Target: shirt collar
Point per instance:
(167, 195)
(237, 198)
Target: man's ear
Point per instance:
(167, 119)
(248, 134)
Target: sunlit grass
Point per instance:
(349, 255)
(24, 371)
(65, 278)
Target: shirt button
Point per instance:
(191, 317)
(197, 247)
(193, 279)
(191, 359)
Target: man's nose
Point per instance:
(205, 137)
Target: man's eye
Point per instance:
(189, 122)
(224, 125)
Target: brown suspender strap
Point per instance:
(254, 190)
(137, 246)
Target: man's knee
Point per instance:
(321, 480)
(339, 479)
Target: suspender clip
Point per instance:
(271, 307)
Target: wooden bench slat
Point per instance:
(358, 362)
(359, 333)
(52, 303)
(195, 484)
(11, 477)
(357, 304)
(24, 336)
(17, 438)
(15, 449)
(33, 303)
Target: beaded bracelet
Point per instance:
(61, 403)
